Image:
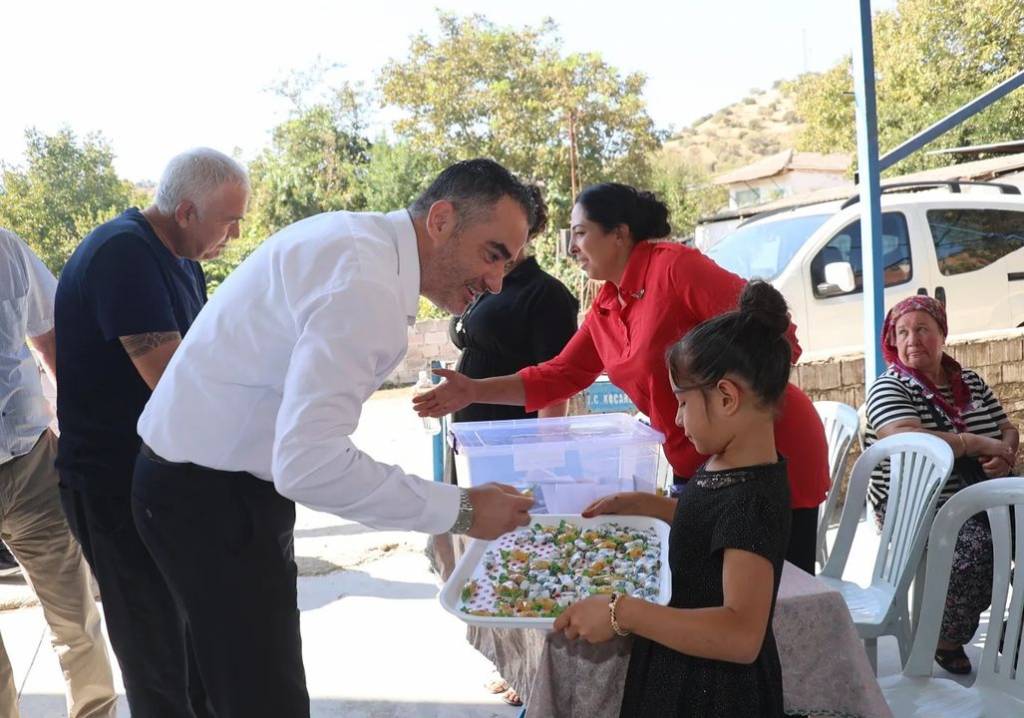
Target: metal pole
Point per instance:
(438, 439)
(870, 201)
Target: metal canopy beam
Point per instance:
(951, 120)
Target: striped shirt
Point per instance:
(894, 397)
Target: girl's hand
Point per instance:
(627, 503)
(588, 619)
(456, 392)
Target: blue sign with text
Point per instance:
(603, 397)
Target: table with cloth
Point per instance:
(825, 670)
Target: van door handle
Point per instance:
(921, 291)
(940, 294)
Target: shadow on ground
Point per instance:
(53, 706)
(318, 591)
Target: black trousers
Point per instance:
(803, 532)
(803, 537)
(146, 631)
(224, 542)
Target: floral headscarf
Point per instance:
(953, 371)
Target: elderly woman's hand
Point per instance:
(995, 466)
(985, 447)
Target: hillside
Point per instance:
(762, 123)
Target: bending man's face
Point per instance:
(470, 260)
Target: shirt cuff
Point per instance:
(531, 389)
(441, 509)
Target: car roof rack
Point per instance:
(954, 187)
(772, 212)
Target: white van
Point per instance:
(965, 249)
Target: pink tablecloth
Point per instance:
(824, 668)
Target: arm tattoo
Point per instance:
(140, 344)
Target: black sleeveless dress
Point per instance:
(745, 509)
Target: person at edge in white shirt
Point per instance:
(256, 408)
(31, 519)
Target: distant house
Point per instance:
(783, 174)
(1002, 167)
(770, 179)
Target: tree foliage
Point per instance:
(66, 188)
(474, 89)
(931, 57)
(508, 93)
(687, 190)
(315, 163)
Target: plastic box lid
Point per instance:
(483, 438)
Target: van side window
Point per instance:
(970, 239)
(845, 247)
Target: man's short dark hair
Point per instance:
(474, 187)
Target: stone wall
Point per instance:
(997, 356)
(428, 340)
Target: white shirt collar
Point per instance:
(408, 262)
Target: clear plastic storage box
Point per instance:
(567, 462)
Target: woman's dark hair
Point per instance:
(611, 204)
(540, 210)
(474, 187)
(749, 342)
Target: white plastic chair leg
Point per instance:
(871, 648)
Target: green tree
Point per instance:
(931, 57)
(396, 174)
(315, 163)
(508, 93)
(687, 190)
(66, 188)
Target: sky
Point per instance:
(158, 78)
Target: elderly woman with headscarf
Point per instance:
(926, 390)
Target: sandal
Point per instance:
(512, 698)
(953, 660)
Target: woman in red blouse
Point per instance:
(654, 293)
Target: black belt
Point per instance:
(151, 455)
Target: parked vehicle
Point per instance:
(966, 249)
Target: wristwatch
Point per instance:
(464, 520)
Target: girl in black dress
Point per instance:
(711, 651)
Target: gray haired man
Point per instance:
(31, 520)
(125, 299)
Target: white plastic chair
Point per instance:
(998, 689)
(919, 465)
(841, 424)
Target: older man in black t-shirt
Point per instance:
(125, 298)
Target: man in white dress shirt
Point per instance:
(255, 411)
(31, 519)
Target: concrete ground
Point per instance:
(376, 642)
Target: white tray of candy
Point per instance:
(624, 554)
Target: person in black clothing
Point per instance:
(529, 322)
(125, 299)
(711, 651)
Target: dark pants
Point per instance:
(803, 537)
(146, 632)
(224, 542)
(803, 532)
